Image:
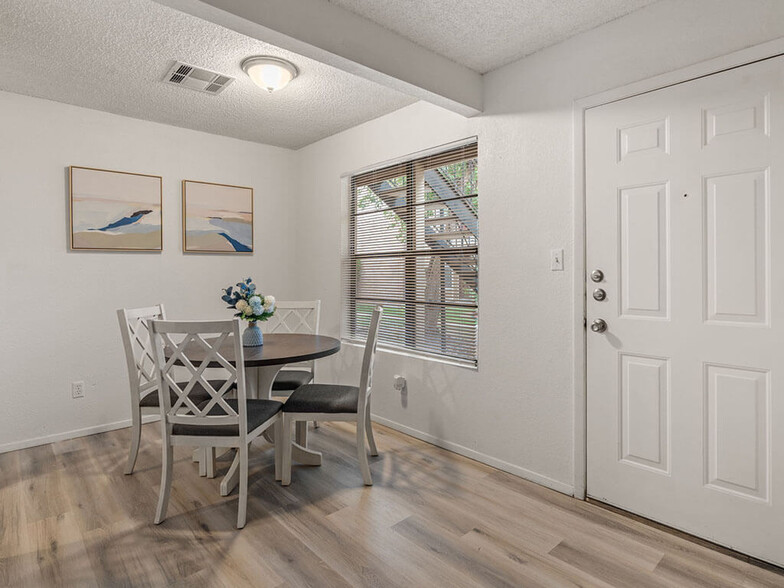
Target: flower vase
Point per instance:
(252, 337)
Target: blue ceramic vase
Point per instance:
(252, 337)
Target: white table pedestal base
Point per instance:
(259, 385)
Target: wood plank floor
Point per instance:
(69, 517)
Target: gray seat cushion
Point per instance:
(291, 379)
(198, 394)
(330, 398)
(259, 412)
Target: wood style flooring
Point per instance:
(68, 516)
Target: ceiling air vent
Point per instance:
(197, 78)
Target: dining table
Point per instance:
(262, 364)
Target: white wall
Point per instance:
(57, 308)
(516, 412)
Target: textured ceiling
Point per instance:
(487, 34)
(111, 55)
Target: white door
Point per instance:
(685, 218)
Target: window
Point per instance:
(413, 248)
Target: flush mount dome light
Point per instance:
(270, 73)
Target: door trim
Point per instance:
(702, 69)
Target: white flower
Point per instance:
(269, 302)
(241, 305)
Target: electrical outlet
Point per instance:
(77, 389)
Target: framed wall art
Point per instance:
(216, 218)
(114, 210)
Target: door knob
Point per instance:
(599, 326)
(597, 275)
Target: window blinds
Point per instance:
(413, 248)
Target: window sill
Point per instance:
(415, 355)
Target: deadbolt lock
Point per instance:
(599, 294)
(597, 275)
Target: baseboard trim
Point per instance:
(47, 439)
(562, 487)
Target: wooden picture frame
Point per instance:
(114, 210)
(216, 218)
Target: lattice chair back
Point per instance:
(296, 317)
(197, 346)
(368, 359)
(137, 342)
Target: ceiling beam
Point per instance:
(322, 31)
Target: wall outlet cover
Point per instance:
(77, 389)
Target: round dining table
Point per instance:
(262, 365)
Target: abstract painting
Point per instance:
(112, 210)
(217, 218)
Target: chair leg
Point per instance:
(202, 461)
(279, 448)
(364, 466)
(285, 479)
(166, 480)
(209, 457)
(136, 434)
(369, 432)
(301, 433)
(242, 508)
(316, 424)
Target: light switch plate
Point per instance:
(556, 260)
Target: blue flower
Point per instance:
(251, 299)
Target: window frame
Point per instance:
(412, 166)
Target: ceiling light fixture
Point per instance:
(270, 73)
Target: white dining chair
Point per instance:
(218, 421)
(294, 317)
(333, 402)
(141, 369)
(142, 381)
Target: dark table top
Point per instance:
(278, 349)
(282, 348)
